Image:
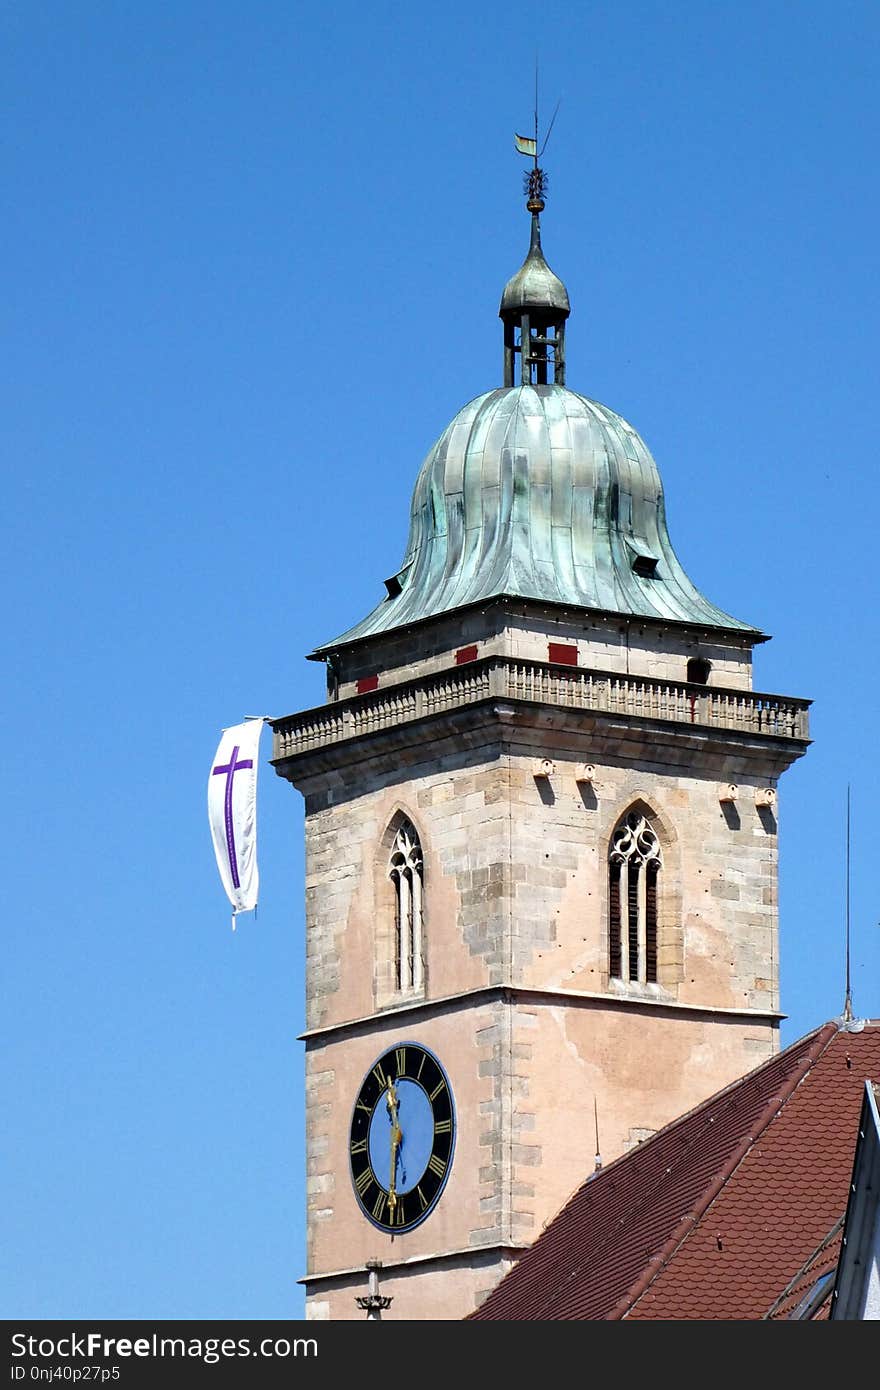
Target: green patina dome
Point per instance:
(538, 493)
(535, 492)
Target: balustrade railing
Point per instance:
(638, 697)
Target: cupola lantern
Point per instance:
(534, 307)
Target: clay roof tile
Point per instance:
(715, 1215)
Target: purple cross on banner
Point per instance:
(230, 769)
(232, 813)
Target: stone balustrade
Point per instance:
(539, 682)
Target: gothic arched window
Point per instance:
(634, 864)
(405, 871)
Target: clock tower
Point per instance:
(541, 828)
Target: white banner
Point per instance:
(232, 813)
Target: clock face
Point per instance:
(401, 1138)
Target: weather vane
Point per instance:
(535, 181)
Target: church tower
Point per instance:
(541, 868)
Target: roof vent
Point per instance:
(395, 584)
(645, 566)
(644, 561)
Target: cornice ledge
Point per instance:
(474, 1252)
(515, 994)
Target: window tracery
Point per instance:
(634, 863)
(406, 870)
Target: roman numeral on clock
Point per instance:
(363, 1180)
(436, 1165)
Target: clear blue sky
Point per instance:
(251, 262)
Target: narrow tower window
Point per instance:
(405, 870)
(634, 864)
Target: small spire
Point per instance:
(535, 304)
(535, 247)
(534, 307)
(847, 1001)
(847, 1021)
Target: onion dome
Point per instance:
(534, 288)
(536, 492)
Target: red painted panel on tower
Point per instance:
(564, 653)
(367, 683)
(465, 654)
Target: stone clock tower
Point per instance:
(541, 872)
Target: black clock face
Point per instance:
(402, 1138)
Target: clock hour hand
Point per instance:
(392, 1103)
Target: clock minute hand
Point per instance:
(391, 1102)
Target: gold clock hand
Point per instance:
(391, 1102)
(392, 1188)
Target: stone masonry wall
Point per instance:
(718, 924)
(460, 809)
(605, 643)
(515, 888)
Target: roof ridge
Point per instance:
(719, 1181)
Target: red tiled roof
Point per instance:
(822, 1263)
(711, 1217)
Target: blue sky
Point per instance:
(252, 256)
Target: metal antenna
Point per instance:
(598, 1163)
(847, 1006)
(536, 108)
(536, 181)
(539, 152)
